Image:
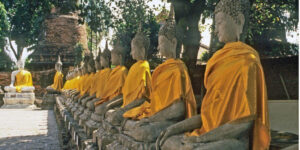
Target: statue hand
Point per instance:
(199, 139)
(143, 122)
(190, 139)
(162, 138)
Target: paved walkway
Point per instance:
(27, 128)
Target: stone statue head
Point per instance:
(58, 65)
(230, 19)
(167, 40)
(76, 72)
(89, 63)
(105, 57)
(140, 45)
(20, 64)
(97, 61)
(117, 54)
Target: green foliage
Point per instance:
(26, 18)
(205, 56)
(65, 6)
(4, 25)
(130, 13)
(268, 23)
(96, 14)
(78, 48)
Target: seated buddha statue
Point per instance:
(57, 85)
(68, 87)
(102, 79)
(75, 85)
(92, 89)
(171, 99)
(234, 110)
(86, 81)
(21, 80)
(101, 76)
(137, 86)
(112, 90)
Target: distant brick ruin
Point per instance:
(61, 33)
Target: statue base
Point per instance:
(11, 98)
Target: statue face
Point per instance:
(137, 51)
(58, 67)
(83, 70)
(116, 59)
(89, 68)
(20, 64)
(104, 61)
(97, 65)
(227, 29)
(166, 47)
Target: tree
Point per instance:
(266, 26)
(187, 16)
(129, 14)
(4, 25)
(25, 18)
(269, 22)
(97, 15)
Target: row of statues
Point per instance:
(138, 110)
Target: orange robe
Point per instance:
(137, 83)
(93, 87)
(170, 82)
(86, 83)
(80, 82)
(114, 84)
(235, 84)
(67, 85)
(101, 82)
(23, 79)
(58, 81)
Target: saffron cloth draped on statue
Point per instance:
(114, 84)
(236, 89)
(58, 81)
(137, 83)
(170, 82)
(23, 79)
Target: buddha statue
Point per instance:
(99, 75)
(102, 79)
(21, 80)
(234, 111)
(111, 92)
(86, 81)
(136, 89)
(171, 99)
(58, 79)
(21, 89)
(93, 88)
(75, 87)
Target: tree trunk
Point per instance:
(187, 16)
(191, 42)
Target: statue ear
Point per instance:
(241, 19)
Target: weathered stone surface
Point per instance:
(28, 129)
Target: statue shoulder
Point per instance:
(14, 73)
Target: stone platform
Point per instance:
(11, 98)
(25, 127)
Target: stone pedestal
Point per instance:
(11, 98)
